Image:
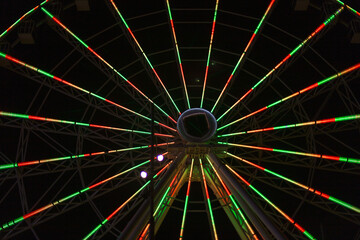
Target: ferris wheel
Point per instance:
(180, 119)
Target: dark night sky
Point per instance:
(332, 52)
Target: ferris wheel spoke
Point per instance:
(326, 22)
(321, 194)
(35, 162)
(209, 53)
(252, 233)
(104, 61)
(123, 204)
(28, 215)
(158, 208)
(186, 201)
(315, 85)
(258, 27)
(320, 156)
(292, 221)
(35, 69)
(31, 117)
(311, 123)
(208, 201)
(27, 14)
(348, 7)
(145, 56)
(178, 54)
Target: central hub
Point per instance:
(196, 125)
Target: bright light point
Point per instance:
(143, 174)
(160, 158)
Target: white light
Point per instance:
(143, 174)
(160, 158)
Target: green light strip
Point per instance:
(348, 7)
(22, 18)
(253, 235)
(314, 191)
(104, 61)
(8, 57)
(327, 21)
(18, 115)
(209, 53)
(143, 53)
(315, 85)
(10, 223)
(292, 221)
(244, 52)
(186, 201)
(124, 203)
(315, 155)
(178, 54)
(117, 210)
(208, 200)
(35, 162)
(317, 122)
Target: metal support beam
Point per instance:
(261, 222)
(141, 217)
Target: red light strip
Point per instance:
(178, 54)
(292, 221)
(8, 57)
(146, 58)
(323, 121)
(186, 201)
(28, 215)
(243, 54)
(285, 59)
(253, 235)
(334, 158)
(35, 162)
(104, 61)
(142, 235)
(321, 194)
(208, 201)
(209, 53)
(122, 205)
(294, 94)
(348, 7)
(18, 115)
(22, 18)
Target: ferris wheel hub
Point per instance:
(196, 125)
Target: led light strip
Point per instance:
(22, 18)
(294, 94)
(122, 205)
(146, 58)
(209, 53)
(109, 65)
(350, 8)
(317, 122)
(292, 221)
(332, 17)
(158, 207)
(8, 57)
(17, 220)
(253, 235)
(244, 52)
(329, 157)
(321, 194)
(31, 117)
(28, 163)
(186, 201)
(178, 54)
(208, 200)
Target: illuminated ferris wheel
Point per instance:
(180, 119)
